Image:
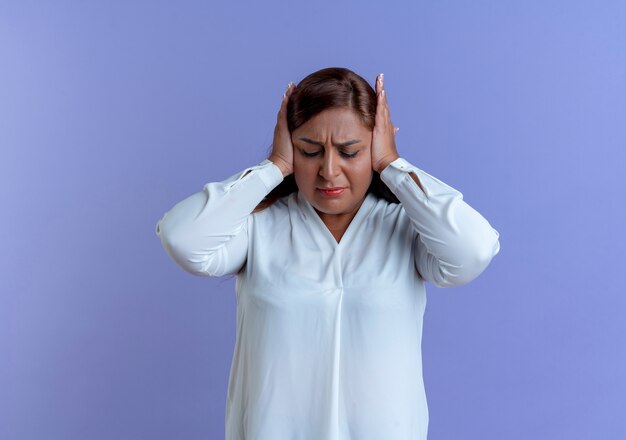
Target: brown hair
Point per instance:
(332, 87)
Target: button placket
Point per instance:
(337, 278)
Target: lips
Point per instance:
(333, 188)
(331, 192)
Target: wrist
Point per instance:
(384, 163)
(279, 163)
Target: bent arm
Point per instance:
(455, 243)
(206, 233)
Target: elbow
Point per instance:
(190, 259)
(163, 230)
(179, 250)
(484, 250)
(474, 262)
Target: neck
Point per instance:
(338, 223)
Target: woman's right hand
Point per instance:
(282, 147)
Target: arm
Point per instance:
(206, 233)
(455, 243)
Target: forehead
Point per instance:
(335, 121)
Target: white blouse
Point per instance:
(328, 343)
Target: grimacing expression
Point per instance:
(332, 149)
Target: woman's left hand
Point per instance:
(384, 149)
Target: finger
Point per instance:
(380, 110)
(280, 109)
(284, 101)
(289, 89)
(385, 102)
(381, 90)
(382, 99)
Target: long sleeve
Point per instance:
(455, 243)
(206, 233)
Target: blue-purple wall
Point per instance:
(113, 111)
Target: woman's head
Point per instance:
(332, 105)
(331, 116)
(332, 87)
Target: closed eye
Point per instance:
(318, 152)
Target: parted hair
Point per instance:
(331, 87)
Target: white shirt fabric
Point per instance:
(328, 343)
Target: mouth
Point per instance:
(331, 192)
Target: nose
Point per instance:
(330, 166)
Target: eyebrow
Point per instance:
(342, 144)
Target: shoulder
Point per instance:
(389, 218)
(384, 208)
(276, 211)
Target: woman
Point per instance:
(332, 239)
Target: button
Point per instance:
(400, 163)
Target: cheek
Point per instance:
(364, 170)
(297, 160)
(363, 162)
(302, 176)
(365, 175)
(300, 167)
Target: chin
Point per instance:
(333, 207)
(330, 210)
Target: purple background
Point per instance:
(111, 112)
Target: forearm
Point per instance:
(196, 228)
(458, 238)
